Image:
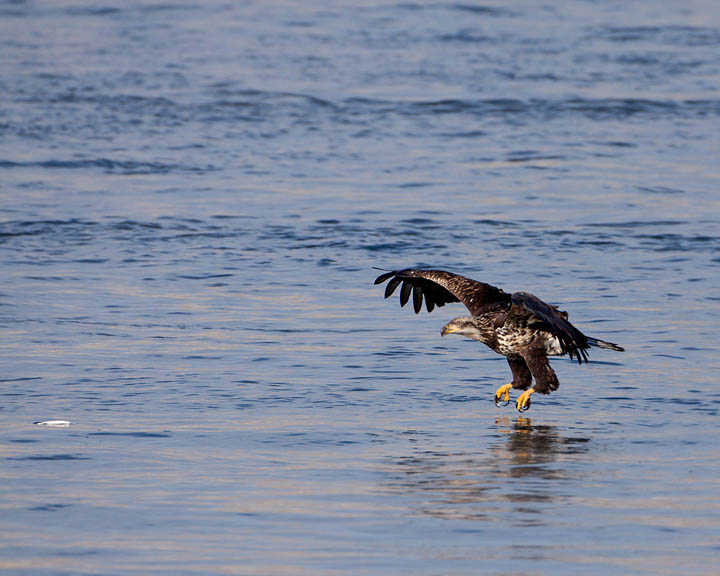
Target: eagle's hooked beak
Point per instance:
(447, 329)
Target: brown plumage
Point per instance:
(519, 326)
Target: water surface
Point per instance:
(192, 198)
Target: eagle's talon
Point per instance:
(503, 391)
(523, 402)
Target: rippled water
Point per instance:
(192, 198)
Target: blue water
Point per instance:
(192, 198)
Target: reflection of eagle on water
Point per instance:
(519, 326)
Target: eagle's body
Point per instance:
(519, 326)
(492, 328)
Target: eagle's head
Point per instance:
(465, 326)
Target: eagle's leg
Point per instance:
(522, 378)
(545, 378)
(503, 393)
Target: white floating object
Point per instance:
(54, 423)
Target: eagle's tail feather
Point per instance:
(602, 344)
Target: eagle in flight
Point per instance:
(519, 326)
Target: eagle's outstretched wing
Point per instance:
(532, 312)
(439, 288)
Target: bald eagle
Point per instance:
(519, 326)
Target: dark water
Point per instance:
(192, 198)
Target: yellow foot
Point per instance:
(523, 401)
(504, 390)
